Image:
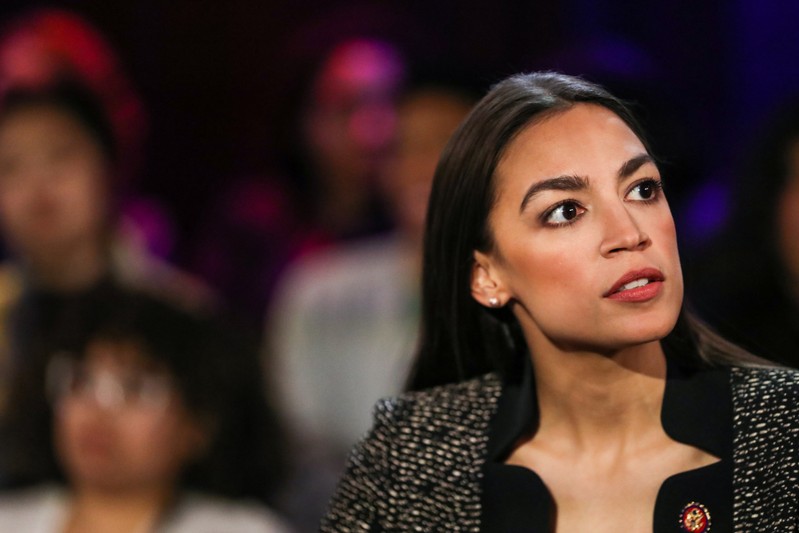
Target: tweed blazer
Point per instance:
(420, 467)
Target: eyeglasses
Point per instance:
(68, 378)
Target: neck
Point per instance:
(593, 402)
(122, 511)
(71, 270)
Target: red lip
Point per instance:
(652, 274)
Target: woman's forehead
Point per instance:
(564, 140)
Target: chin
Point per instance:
(643, 331)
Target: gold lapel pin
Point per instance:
(695, 518)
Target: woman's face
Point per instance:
(53, 183)
(351, 122)
(426, 122)
(120, 425)
(585, 244)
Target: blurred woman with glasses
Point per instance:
(133, 424)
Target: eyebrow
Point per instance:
(577, 183)
(630, 167)
(561, 183)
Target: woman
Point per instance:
(560, 385)
(149, 426)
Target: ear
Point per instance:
(487, 286)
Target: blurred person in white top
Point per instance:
(344, 322)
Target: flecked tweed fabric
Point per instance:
(766, 462)
(419, 468)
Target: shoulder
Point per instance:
(765, 414)
(22, 510)
(766, 429)
(765, 386)
(420, 463)
(199, 513)
(475, 398)
(137, 268)
(434, 418)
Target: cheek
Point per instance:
(666, 227)
(83, 182)
(65, 428)
(667, 238)
(13, 201)
(78, 434)
(147, 431)
(553, 268)
(162, 442)
(82, 194)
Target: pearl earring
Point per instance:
(493, 302)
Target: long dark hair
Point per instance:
(460, 338)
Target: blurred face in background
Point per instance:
(120, 423)
(427, 119)
(53, 182)
(351, 118)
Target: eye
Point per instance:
(647, 190)
(563, 214)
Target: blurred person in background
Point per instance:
(45, 45)
(41, 49)
(346, 125)
(343, 118)
(139, 420)
(747, 282)
(58, 214)
(72, 131)
(344, 323)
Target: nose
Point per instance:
(104, 392)
(622, 233)
(373, 125)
